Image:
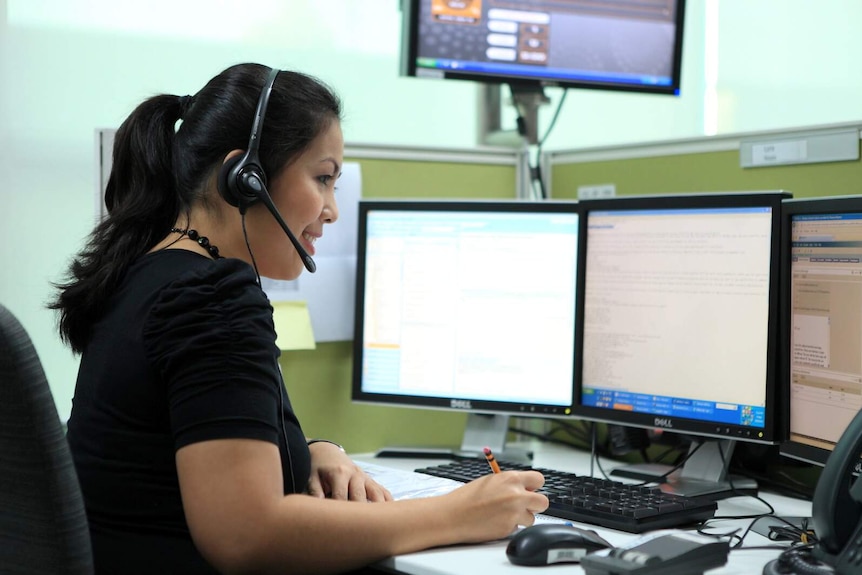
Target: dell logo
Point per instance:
(663, 422)
(460, 404)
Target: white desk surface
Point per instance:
(491, 557)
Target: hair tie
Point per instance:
(185, 103)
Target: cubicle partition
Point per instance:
(821, 161)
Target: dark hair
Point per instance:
(160, 171)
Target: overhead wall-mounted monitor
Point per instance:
(633, 45)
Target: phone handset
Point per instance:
(837, 504)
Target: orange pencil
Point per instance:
(491, 461)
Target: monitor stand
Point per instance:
(482, 430)
(705, 473)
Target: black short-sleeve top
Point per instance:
(185, 352)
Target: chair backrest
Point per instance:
(43, 525)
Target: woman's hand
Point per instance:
(494, 505)
(335, 475)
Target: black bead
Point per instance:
(203, 241)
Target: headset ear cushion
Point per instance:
(227, 181)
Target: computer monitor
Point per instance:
(468, 306)
(598, 44)
(680, 325)
(822, 336)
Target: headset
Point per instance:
(242, 181)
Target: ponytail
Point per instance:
(142, 207)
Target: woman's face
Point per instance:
(304, 194)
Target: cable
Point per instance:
(791, 487)
(251, 253)
(733, 489)
(519, 120)
(543, 437)
(521, 124)
(554, 118)
(602, 469)
(582, 435)
(797, 560)
(535, 164)
(284, 429)
(280, 383)
(792, 532)
(663, 477)
(594, 455)
(665, 453)
(538, 164)
(645, 455)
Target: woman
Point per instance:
(189, 454)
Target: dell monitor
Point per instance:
(680, 326)
(468, 306)
(599, 44)
(822, 336)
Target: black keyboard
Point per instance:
(634, 508)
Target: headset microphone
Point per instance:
(242, 181)
(254, 182)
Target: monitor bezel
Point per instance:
(358, 395)
(793, 207)
(410, 46)
(775, 425)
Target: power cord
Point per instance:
(546, 437)
(250, 252)
(790, 532)
(535, 164)
(623, 439)
(537, 170)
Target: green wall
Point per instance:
(706, 172)
(425, 179)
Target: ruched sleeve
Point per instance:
(210, 341)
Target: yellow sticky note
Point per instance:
(292, 325)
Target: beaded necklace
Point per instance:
(203, 241)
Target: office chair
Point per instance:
(43, 526)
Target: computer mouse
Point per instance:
(548, 543)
